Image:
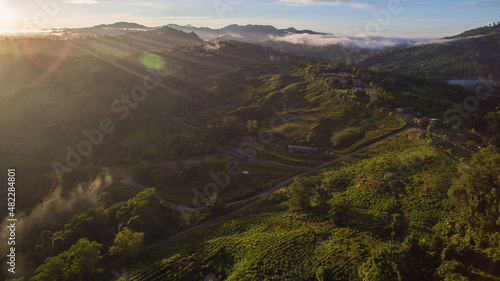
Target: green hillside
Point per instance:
(257, 165)
(480, 31)
(465, 58)
(358, 220)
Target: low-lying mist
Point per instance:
(58, 207)
(367, 42)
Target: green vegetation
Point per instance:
(81, 262)
(214, 136)
(127, 242)
(484, 30)
(467, 58)
(351, 222)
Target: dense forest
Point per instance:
(465, 58)
(233, 161)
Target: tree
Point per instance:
(299, 196)
(494, 126)
(51, 269)
(215, 205)
(446, 126)
(252, 127)
(80, 263)
(320, 199)
(476, 192)
(127, 243)
(398, 226)
(380, 97)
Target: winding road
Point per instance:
(263, 196)
(254, 200)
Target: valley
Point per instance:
(162, 154)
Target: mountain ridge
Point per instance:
(479, 31)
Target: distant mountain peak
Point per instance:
(123, 24)
(295, 31)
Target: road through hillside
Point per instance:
(263, 196)
(254, 200)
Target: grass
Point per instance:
(455, 151)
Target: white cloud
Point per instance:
(350, 3)
(483, 3)
(365, 42)
(374, 43)
(423, 41)
(81, 2)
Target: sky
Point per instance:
(389, 18)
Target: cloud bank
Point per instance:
(349, 3)
(364, 42)
(373, 43)
(81, 2)
(483, 4)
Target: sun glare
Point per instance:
(5, 16)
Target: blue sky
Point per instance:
(408, 18)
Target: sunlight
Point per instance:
(5, 16)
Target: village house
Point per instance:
(303, 149)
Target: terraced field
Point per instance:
(367, 212)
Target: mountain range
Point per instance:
(470, 54)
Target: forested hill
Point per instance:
(138, 41)
(465, 58)
(484, 30)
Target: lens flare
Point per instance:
(152, 61)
